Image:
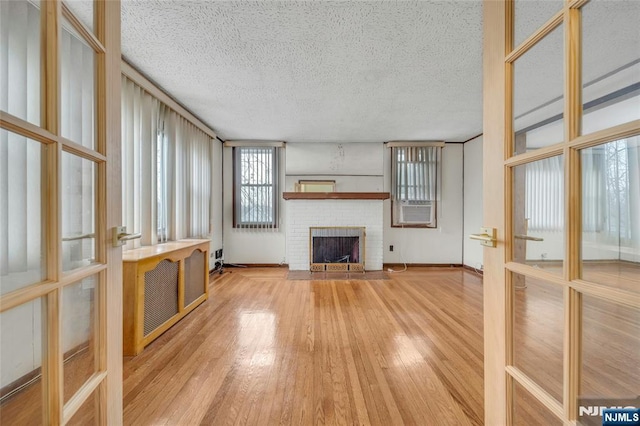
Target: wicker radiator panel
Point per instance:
(160, 295)
(194, 277)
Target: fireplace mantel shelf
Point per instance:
(335, 195)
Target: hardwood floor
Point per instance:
(265, 350)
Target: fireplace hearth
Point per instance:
(337, 249)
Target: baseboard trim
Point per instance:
(32, 376)
(471, 268)
(421, 265)
(257, 265)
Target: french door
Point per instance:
(60, 274)
(562, 189)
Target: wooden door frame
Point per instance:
(106, 384)
(499, 161)
(108, 31)
(494, 147)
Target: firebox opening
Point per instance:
(336, 250)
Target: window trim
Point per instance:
(435, 202)
(237, 186)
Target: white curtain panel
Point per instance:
(544, 202)
(140, 117)
(414, 173)
(20, 59)
(22, 250)
(166, 171)
(22, 254)
(77, 88)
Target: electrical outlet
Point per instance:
(391, 247)
(219, 254)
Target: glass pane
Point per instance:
(256, 204)
(78, 211)
(22, 244)
(256, 166)
(538, 332)
(538, 214)
(20, 63)
(538, 94)
(79, 303)
(83, 10)
(22, 333)
(530, 15)
(610, 212)
(77, 85)
(87, 413)
(610, 349)
(529, 411)
(611, 76)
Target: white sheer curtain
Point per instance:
(190, 160)
(544, 202)
(77, 88)
(20, 59)
(77, 123)
(166, 171)
(22, 255)
(22, 251)
(22, 248)
(198, 182)
(140, 118)
(414, 173)
(415, 182)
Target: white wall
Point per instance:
(411, 245)
(424, 245)
(247, 246)
(472, 250)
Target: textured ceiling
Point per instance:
(316, 71)
(355, 71)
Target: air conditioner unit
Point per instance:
(416, 212)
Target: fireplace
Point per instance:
(337, 248)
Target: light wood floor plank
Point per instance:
(267, 350)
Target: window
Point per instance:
(255, 187)
(167, 171)
(414, 185)
(162, 196)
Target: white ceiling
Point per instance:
(346, 71)
(360, 71)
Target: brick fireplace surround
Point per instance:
(305, 210)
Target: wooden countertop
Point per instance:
(146, 252)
